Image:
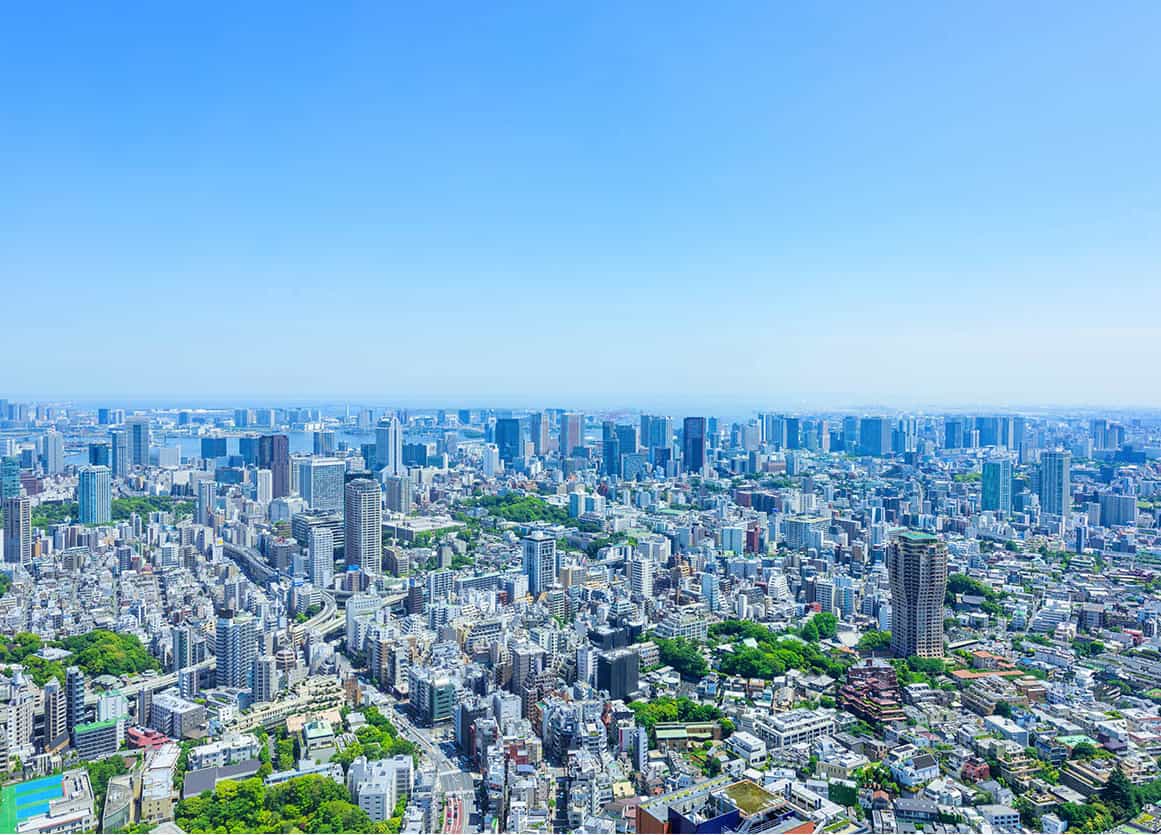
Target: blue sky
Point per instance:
(591, 203)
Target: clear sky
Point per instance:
(593, 203)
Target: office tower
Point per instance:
(1099, 431)
(321, 557)
(320, 482)
(100, 454)
(263, 486)
(709, 590)
(207, 499)
(917, 570)
(618, 671)
(103, 416)
(693, 444)
(628, 438)
(324, 443)
(398, 494)
(793, 433)
(138, 428)
(56, 727)
(274, 455)
(572, 433)
(989, 429)
(640, 573)
(538, 425)
(1056, 483)
(236, 647)
(996, 486)
(540, 561)
(213, 448)
(53, 443)
(94, 496)
(660, 433)
(248, 450)
(363, 506)
(508, 440)
(9, 477)
(122, 462)
(266, 678)
(18, 530)
(875, 437)
(610, 449)
(389, 446)
(75, 697)
(954, 432)
(182, 639)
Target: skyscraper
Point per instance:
(75, 697)
(53, 452)
(610, 449)
(100, 454)
(875, 436)
(18, 530)
(538, 426)
(572, 433)
(320, 482)
(122, 461)
(508, 439)
(321, 557)
(389, 446)
(996, 486)
(363, 510)
(9, 477)
(207, 498)
(138, 427)
(917, 570)
(640, 573)
(94, 496)
(274, 455)
(693, 445)
(263, 486)
(398, 493)
(236, 647)
(1056, 483)
(540, 561)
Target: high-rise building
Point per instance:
(266, 679)
(321, 557)
(75, 697)
(122, 461)
(18, 530)
(398, 493)
(389, 446)
(53, 444)
(248, 449)
(509, 440)
(324, 442)
(996, 486)
(709, 591)
(101, 454)
(9, 477)
(94, 496)
(363, 508)
(917, 570)
(875, 436)
(538, 426)
(1056, 483)
(274, 455)
(56, 728)
(138, 428)
(236, 647)
(264, 486)
(320, 482)
(641, 577)
(207, 499)
(617, 672)
(572, 433)
(610, 449)
(540, 561)
(182, 639)
(693, 444)
(660, 435)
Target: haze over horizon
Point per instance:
(895, 204)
